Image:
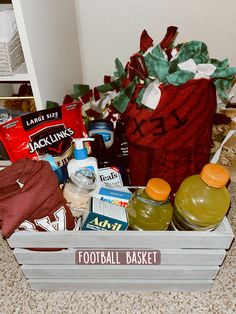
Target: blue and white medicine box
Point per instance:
(116, 196)
(105, 216)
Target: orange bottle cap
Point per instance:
(158, 189)
(215, 175)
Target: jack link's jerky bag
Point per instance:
(45, 132)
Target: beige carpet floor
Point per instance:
(17, 297)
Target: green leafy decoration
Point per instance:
(51, 104)
(80, 89)
(120, 73)
(140, 96)
(157, 67)
(158, 52)
(224, 77)
(179, 77)
(196, 50)
(173, 66)
(223, 87)
(227, 73)
(121, 101)
(110, 86)
(220, 64)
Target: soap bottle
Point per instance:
(81, 158)
(202, 200)
(149, 208)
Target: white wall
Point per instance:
(49, 40)
(111, 28)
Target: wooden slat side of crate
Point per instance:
(119, 271)
(168, 257)
(120, 285)
(220, 238)
(189, 260)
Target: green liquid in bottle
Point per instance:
(144, 213)
(199, 206)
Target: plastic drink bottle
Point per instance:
(203, 200)
(150, 208)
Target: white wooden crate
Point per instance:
(189, 260)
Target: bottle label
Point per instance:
(110, 175)
(90, 168)
(124, 149)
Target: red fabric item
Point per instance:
(30, 198)
(145, 41)
(68, 99)
(169, 37)
(174, 140)
(136, 67)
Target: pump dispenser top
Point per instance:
(80, 152)
(81, 159)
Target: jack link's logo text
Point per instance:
(53, 140)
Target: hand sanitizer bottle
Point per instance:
(81, 159)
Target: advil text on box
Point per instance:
(105, 216)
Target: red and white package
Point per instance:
(49, 131)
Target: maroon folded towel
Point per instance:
(31, 199)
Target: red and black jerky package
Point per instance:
(49, 131)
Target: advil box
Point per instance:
(105, 216)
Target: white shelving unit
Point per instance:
(50, 43)
(8, 81)
(20, 76)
